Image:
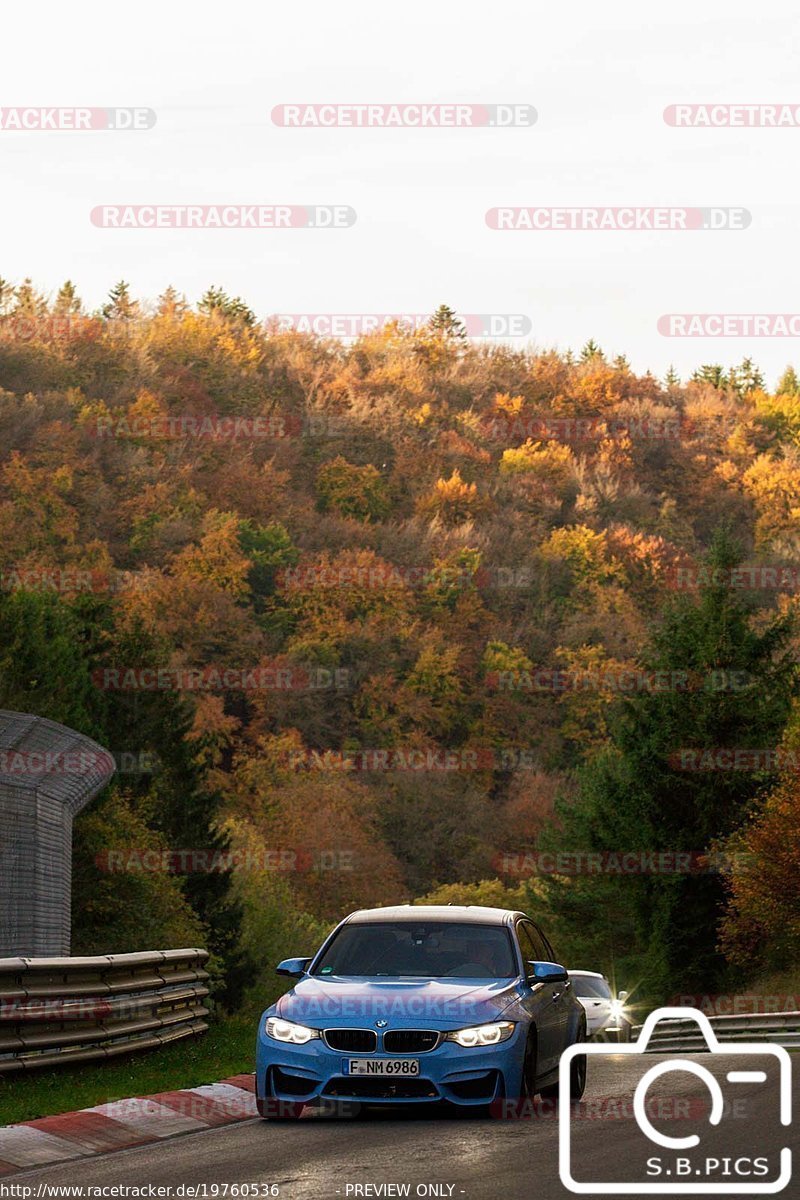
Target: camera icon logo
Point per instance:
(685, 1166)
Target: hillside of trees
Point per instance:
(406, 617)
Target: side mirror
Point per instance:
(622, 996)
(293, 967)
(547, 972)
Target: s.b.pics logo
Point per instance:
(711, 1124)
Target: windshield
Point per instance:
(428, 950)
(586, 986)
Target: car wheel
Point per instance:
(577, 1071)
(529, 1066)
(577, 1075)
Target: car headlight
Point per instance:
(482, 1035)
(617, 1008)
(287, 1031)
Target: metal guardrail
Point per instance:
(58, 1011)
(676, 1034)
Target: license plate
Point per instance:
(380, 1066)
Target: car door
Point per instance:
(542, 999)
(563, 1002)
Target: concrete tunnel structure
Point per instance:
(48, 773)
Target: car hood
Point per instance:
(412, 1003)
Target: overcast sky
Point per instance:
(599, 76)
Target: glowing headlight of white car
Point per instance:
(287, 1031)
(482, 1035)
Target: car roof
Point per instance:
(462, 914)
(592, 974)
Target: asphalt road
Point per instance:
(326, 1158)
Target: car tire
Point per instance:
(577, 1075)
(529, 1065)
(578, 1070)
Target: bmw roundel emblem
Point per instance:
(381, 1024)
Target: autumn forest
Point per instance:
(410, 616)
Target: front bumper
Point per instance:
(451, 1073)
(614, 1029)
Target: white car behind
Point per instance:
(606, 1016)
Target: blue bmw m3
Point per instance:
(418, 1004)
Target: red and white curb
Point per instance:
(124, 1123)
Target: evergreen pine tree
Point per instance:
(788, 384)
(175, 800)
(745, 378)
(445, 323)
(171, 303)
(232, 308)
(711, 373)
(28, 302)
(6, 296)
(68, 302)
(120, 306)
(638, 796)
(591, 350)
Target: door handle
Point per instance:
(556, 996)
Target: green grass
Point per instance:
(227, 1049)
